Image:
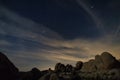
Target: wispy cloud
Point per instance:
(4, 43)
(97, 20)
(30, 44)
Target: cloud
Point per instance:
(4, 43)
(83, 47)
(29, 44)
(92, 13)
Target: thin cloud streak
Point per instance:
(93, 14)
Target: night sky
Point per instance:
(40, 33)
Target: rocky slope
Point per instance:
(7, 69)
(103, 67)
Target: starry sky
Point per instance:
(40, 33)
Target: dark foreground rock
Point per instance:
(7, 69)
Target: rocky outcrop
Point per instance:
(105, 61)
(103, 67)
(8, 71)
(109, 62)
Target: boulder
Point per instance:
(8, 71)
(109, 62)
(79, 65)
(69, 68)
(102, 62)
(60, 67)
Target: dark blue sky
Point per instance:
(66, 17)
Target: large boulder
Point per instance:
(109, 62)
(60, 67)
(105, 61)
(79, 65)
(8, 71)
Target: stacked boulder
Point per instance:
(67, 72)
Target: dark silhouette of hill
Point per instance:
(103, 67)
(7, 69)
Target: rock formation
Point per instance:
(105, 61)
(103, 67)
(7, 69)
(109, 62)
